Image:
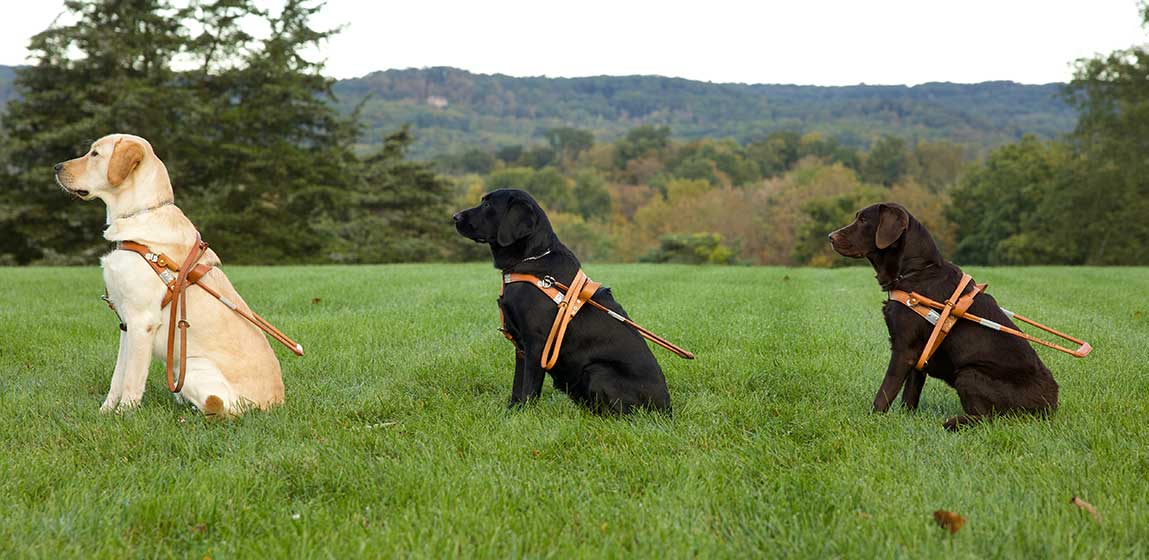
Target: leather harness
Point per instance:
(570, 300)
(177, 278)
(945, 315)
(951, 310)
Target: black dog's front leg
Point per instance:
(901, 364)
(529, 376)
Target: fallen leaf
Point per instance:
(1082, 504)
(199, 529)
(315, 300)
(949, 520)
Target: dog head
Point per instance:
(120, 169)
(510, 221)
(875, 229)
(895, 243)
(109, 162)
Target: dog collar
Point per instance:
(145, 210)
(534, 258)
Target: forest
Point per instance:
(638, 168)
(454, 109)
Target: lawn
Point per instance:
(395, 439)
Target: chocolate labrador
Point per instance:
(603, 364)
(993, 373)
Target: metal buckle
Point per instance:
(547, 281)
(167, 276)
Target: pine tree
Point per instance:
(259, 157)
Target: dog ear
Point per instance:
(518, 222)
(126, 155)
(892, 223)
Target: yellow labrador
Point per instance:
(230, 364)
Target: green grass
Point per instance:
(395, 439)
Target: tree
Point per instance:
(477, 161)
(246, 126)
(888, 161)
(509, 155)
(1111, 140)
(395, 211)
(641, 141)
(777, 153)
(939, 164)
(66, 101)
(592, 199)
(547, 186)
(569, 142)
(997, 205)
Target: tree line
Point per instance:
(455, 110)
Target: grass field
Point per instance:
(395, 439)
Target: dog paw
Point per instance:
(127, 405)
(958, 422)
(108, 407)
(517, 403)
(213, 407)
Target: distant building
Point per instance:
(437, 101)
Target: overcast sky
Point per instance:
(822, 42)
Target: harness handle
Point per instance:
(665, 344)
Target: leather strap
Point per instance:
(178, 291)
(953, 308)
(570, 300)
(580, 290)
(178, 278)
(164, 267)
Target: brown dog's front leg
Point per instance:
(896, 374)
(529, 377)
(912, 393)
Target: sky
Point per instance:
(818, 42)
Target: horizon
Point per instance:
(505, 75)
(861, 84)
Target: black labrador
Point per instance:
(603, 364)
(993, 373)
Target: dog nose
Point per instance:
(458, 217)
(831, 236)
(58, 167)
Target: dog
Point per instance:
(230, 365)
(603, 364)
(993, 373)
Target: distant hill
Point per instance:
(7, 76)
(451, 110)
